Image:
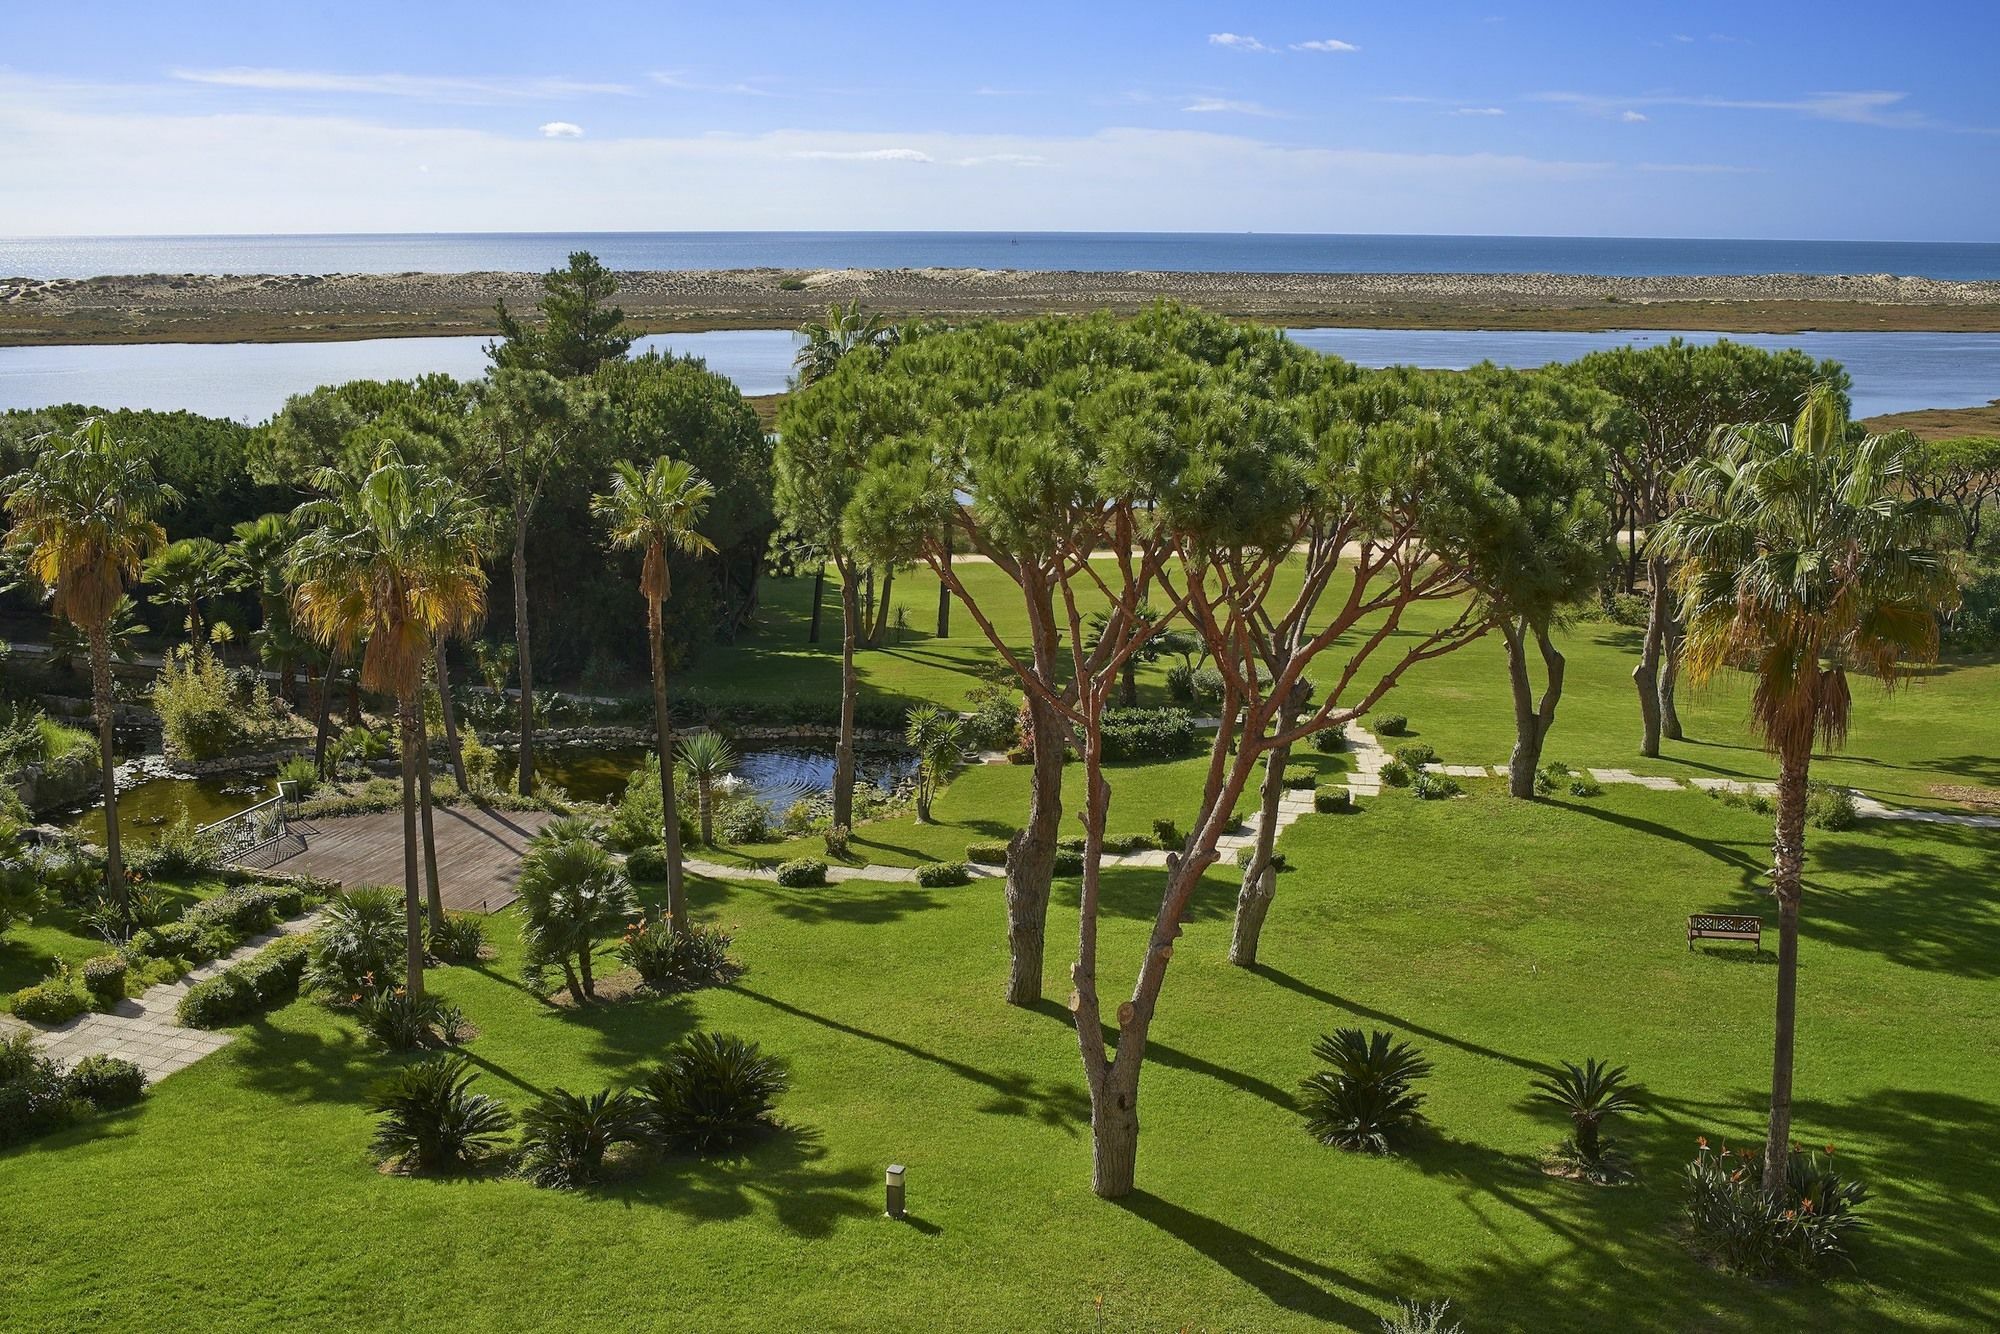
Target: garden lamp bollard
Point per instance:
(894, 1190)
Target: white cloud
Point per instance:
(681, 83)
(1236, 41)
(562, 129)
(864, 155)
(425, 87)
(1878, 107)
(1228, 106)
(1479, 111)
(1632, 117)
(1325, 44)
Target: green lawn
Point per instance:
(1498, 935)
(30, 951)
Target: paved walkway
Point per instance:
(144, 1031)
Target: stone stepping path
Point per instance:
(144, 1030)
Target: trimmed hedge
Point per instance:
(941, 875)
(263, 982)
(1334, 801)
(104, 977)
(648, 863)
(1148, 734)
(986, 854)
(1391, 724)
(54, 1001)
(1331, 740)
(106, 1082)
(802, 873)
(1069, 861)
(1300, 778)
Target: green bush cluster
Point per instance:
(1331, 740)
(647, 863)
(940, 875)
(669, 963)
(55, 999)
(1334, 801)
(1147, 734)
(1739, 1227)
(802, 873)
(263, 982)
(1428, 786)
(457, 939)
(104, 977)
(1391, 724)
(1300, 778)
(107, 1082)
(1068, 861)
(37, 1096)
(1417, 755)
(1830, 807)
(177, 850)
(987, 854)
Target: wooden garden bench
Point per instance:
(1725, 926)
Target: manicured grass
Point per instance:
(28, 952)
(1498, 935)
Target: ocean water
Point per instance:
(1212, 252)
(1892, 372)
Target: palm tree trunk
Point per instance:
(944, 590)
(583, 971)
(525, 755)
(570, 982)
(413, 914)
(1787, 876)
(1260, 877)
(819, 596)
(843, 751)
(354, 699)
(704, 798)
(452, 749)
(323, 707)
(663, 727)
(434, 896)
(104, 702)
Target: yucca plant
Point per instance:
(712, 1093)
(564, 1137)
(357, 947)
(1364, 1098)
(1588, 1093)
(432, 1120)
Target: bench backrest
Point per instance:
(1725, 926)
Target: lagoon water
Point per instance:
(1892, 372)
(1113, 252)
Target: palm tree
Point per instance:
(572, 896)
(656, 511)
(186, 574)
(83, 512)
(938, 737)
(1804, 557)
(390, 563)
(707, 758)
(827, 341)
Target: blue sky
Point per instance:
(1755, 119)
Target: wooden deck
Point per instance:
(478, 852)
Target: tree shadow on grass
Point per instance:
(1176, 1059)
(1058, 1105)
(1285, 1278)
(785, 1174)
(1134, 891)
(857, 902)
(1394, 1021)
(296, 1066)
(632, 1033)
(1905, 899)
(1752, 870)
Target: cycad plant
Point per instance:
(938, 737)
(1588, 1093)
(1803, 555)
(432, 1120)
(707, 758)
(572, 896)
(712, 1093)
(1364, 1099)
(564, 1136)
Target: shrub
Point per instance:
(34, 1096)
(1395, 774)
(1167, 834)
(1626, 609)
(199, 714)
(986, 854)
(1553, 775)
(1208, 684)
(1587, 1094)
(268, 980)
(1417, 755)
(940, 875)
(1147, 734)
(995, 723)
(104, 977)
(647, 863)
(1123, 845)
(402, 1022)
(300, 774)
(744, 821)
(1391, 724)
(564, 1137)
(1331, 740)
(429, 1117)
(1735, 1225)
(178, 850)
(1428, 786)
(1364, 1099)
(1300, 778)
(669, 963)
(1072, 843)
(1180, 683)
(247, 909)
(836, 839)
(802, 873)
(1829, 807)
(711, 1094)
(1583, 785)
(1068, 861)
(791, 284)
(1244, 856)
(359, 946)
(640, 816)
(1334, 801)
(1416, 1318)
(106, 1082)
(457, 939)
(56, 999)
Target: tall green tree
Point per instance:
(189, 574)
(1676, 395)
(580, 330)
(83, 512)
(1803, 558)
(658, 512)
(1962, 474)
(389, 563)
(828, 340)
